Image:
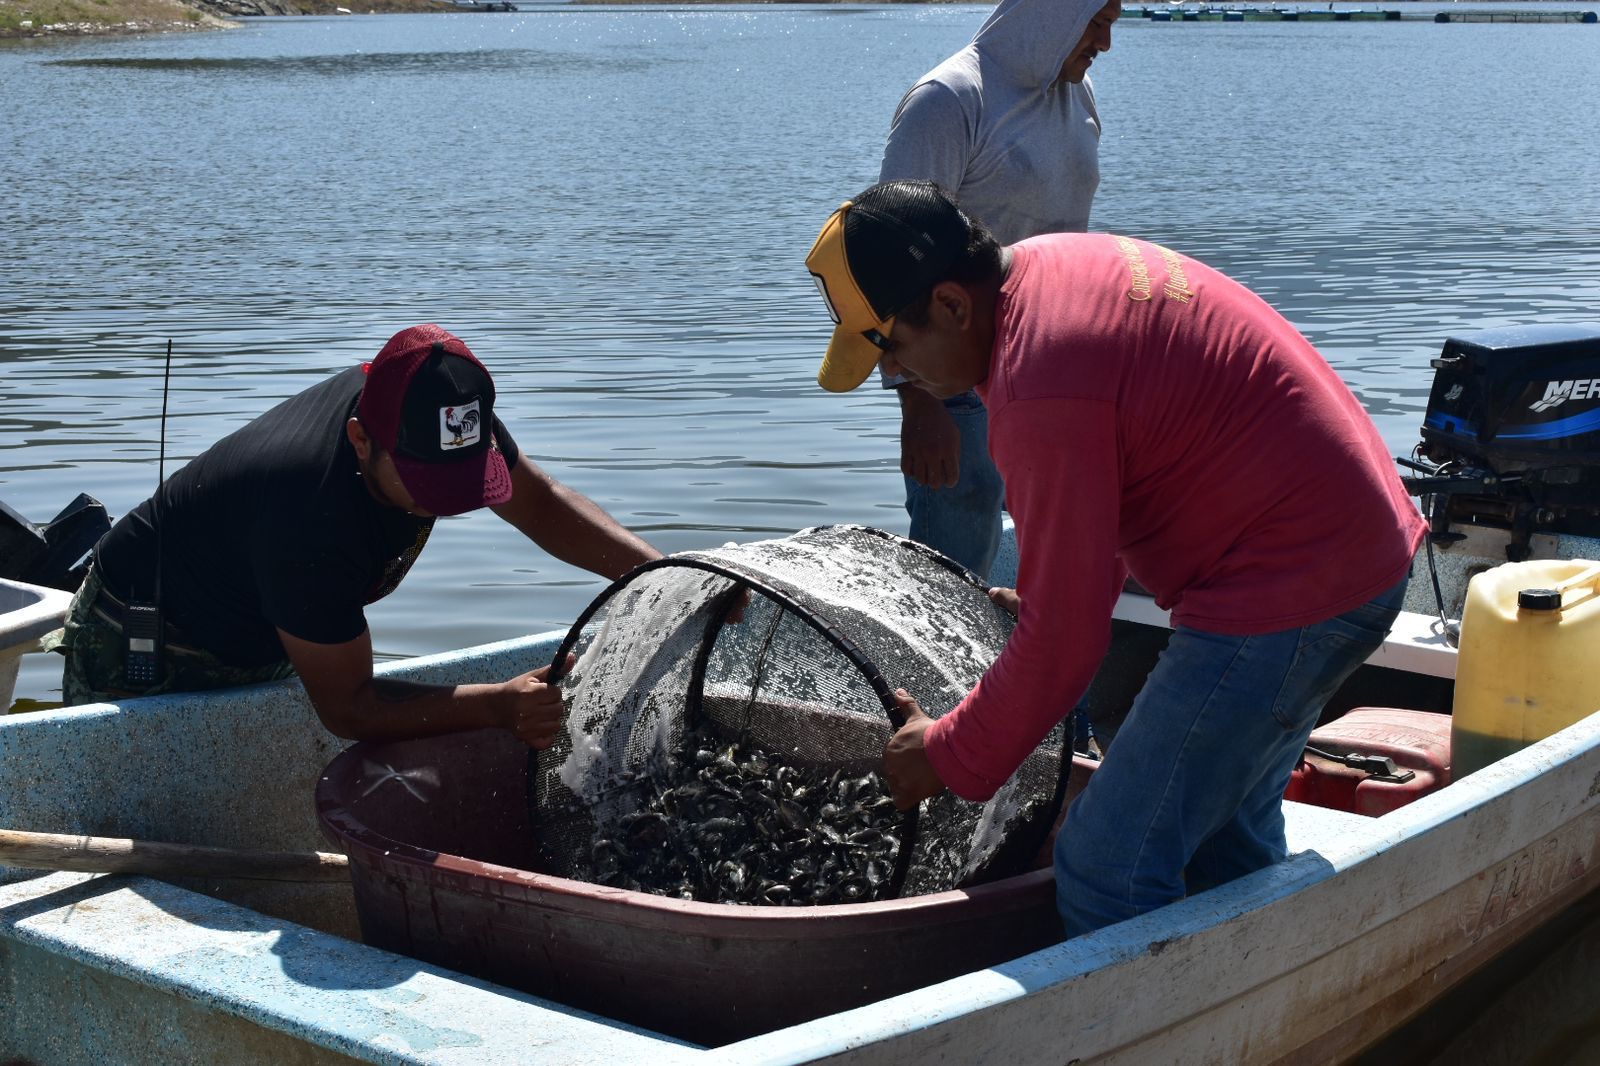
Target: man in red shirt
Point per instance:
(1150, 417)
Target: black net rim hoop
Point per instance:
(848, 648)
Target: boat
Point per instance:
(1373, 917)
(27, 613)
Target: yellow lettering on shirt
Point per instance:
(1177, 286)
(1138, 269)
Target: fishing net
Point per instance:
(726, 719)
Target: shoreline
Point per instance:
(36, 20)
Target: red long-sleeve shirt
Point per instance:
(1152, 416)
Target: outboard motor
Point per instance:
(56, 553)
(1509, 464)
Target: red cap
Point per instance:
(429, 403)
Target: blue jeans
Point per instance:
(962, 521)
(1191, 794)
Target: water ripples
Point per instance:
(612, 207)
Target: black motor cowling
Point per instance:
(1523, 398)
(1512, 433)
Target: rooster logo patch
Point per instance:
(459, 426)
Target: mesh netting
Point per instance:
(737, 759)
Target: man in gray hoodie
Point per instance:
(1008, 125)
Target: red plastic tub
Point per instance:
(442, 856)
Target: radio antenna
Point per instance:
(161, 456)
(166, 383)
(141, 622)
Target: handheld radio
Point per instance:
(141, 621)
(141, 657)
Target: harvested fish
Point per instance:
(731, 823)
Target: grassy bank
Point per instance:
(55, 18)
(68, 18)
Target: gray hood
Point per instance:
(1030, 39)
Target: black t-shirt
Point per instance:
(270, 528)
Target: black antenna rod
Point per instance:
(161, 457)
(166, 381)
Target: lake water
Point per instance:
(612, 205)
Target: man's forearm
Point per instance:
(385, 709)
(569, 525)
(581, 533)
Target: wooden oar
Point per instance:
(60, 851)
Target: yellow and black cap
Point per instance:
(876, 255)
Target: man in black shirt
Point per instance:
(262, 551)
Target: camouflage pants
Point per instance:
(94, 647)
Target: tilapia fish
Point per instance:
(731, 823)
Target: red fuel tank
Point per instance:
(1342, 778)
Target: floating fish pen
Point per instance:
(1586, 17)
(1259, 14)
(708, 850)
(1177, 13)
